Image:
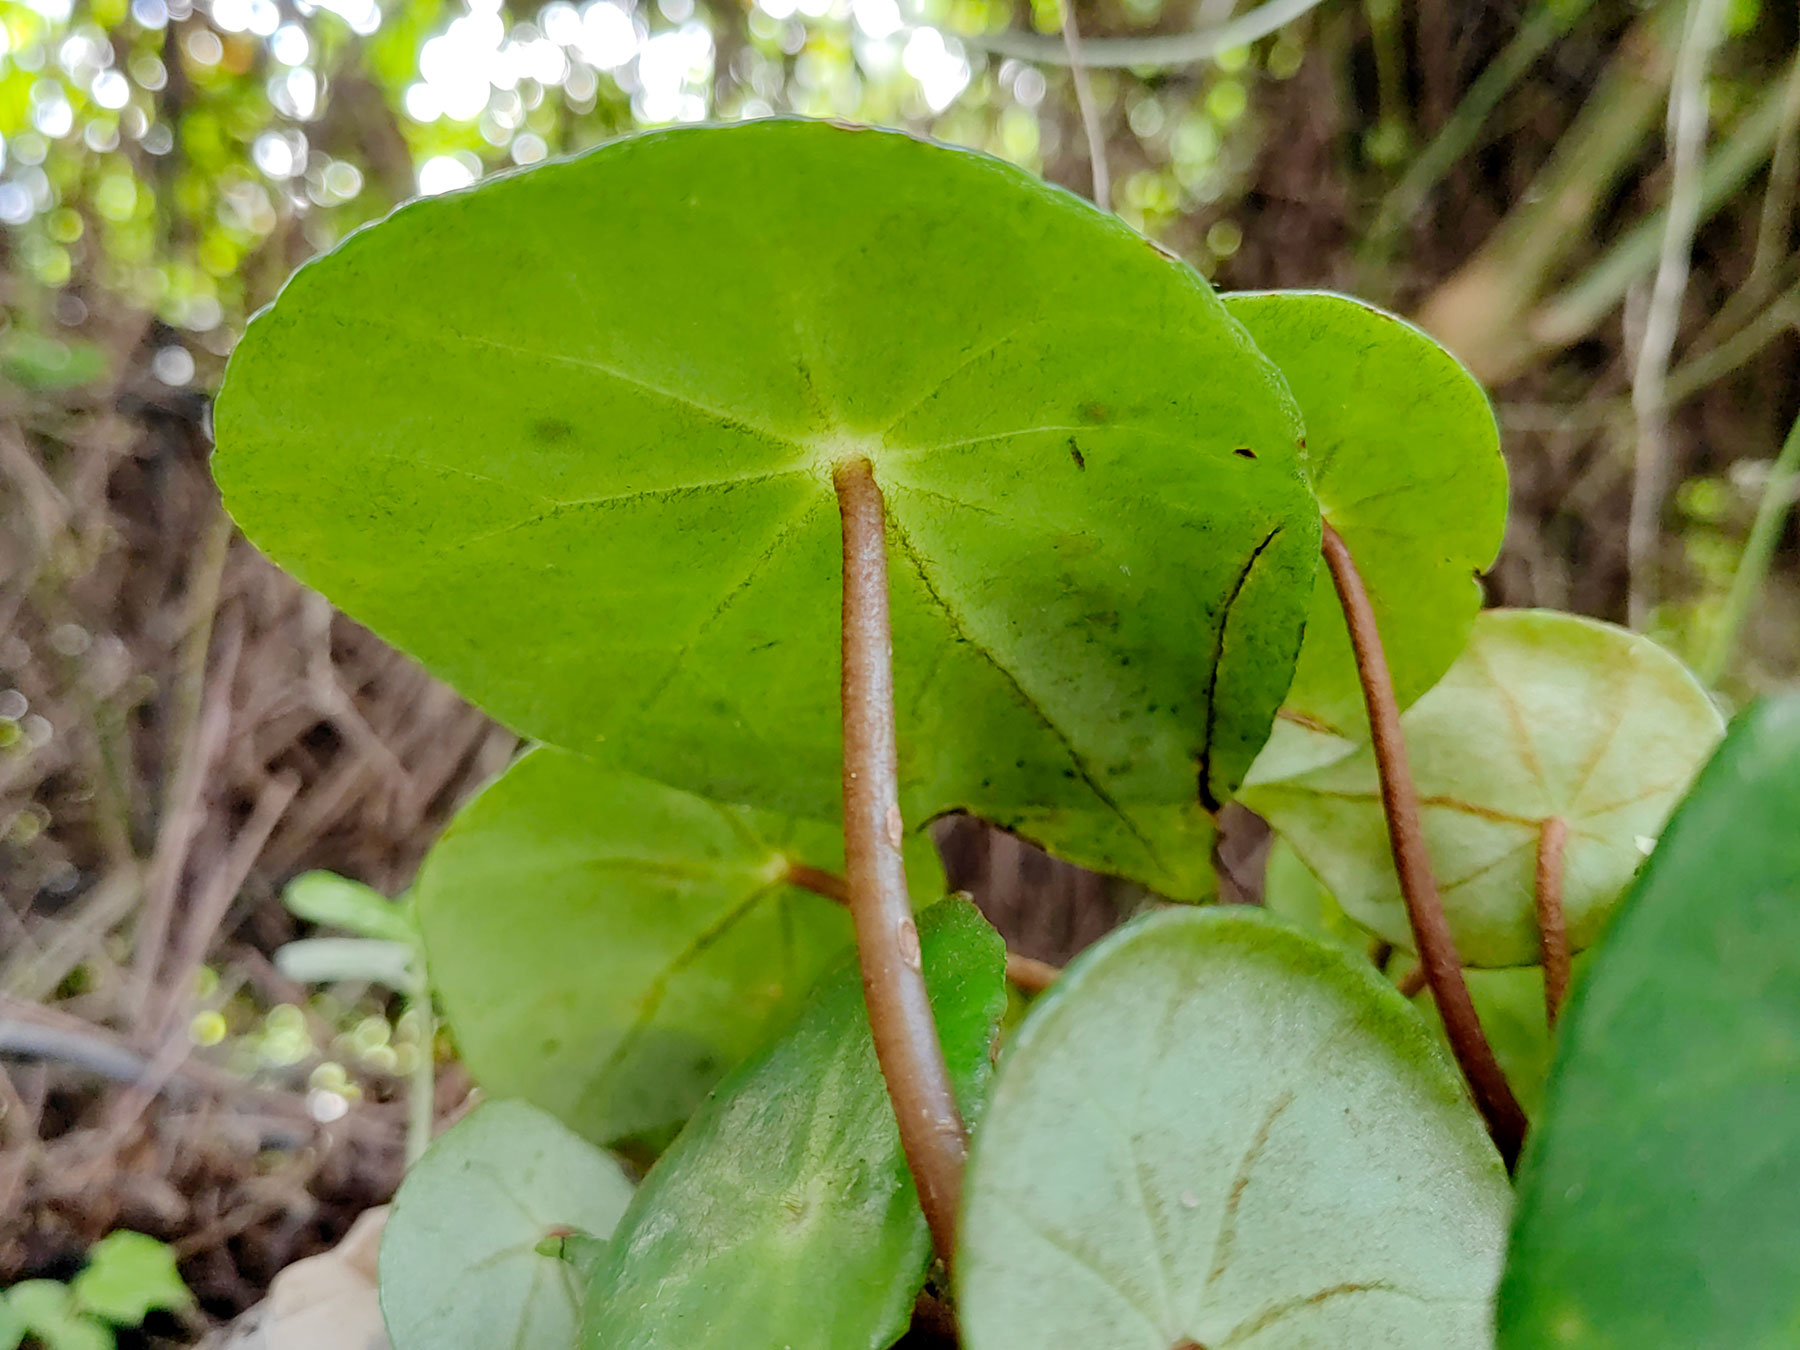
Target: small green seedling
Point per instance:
(386, 950)
(127, 1277)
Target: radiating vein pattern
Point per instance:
(568, 438)
(1213, 1132)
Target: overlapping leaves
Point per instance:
(607, 947)
(784, 1216)
(1544, 715)
(568, 437)
(1656, 1200)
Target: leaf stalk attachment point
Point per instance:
(1424, 907)
(1029, 973)
(906, 1041)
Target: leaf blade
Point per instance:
(1655, 1197)
(1185, 1141)
(618, 536)
(784, 1216)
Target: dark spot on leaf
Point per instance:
(1302, 442)
(1075, 454)
(552, 430)
(1095, 412)
(1244, 452)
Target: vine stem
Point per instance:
(887, 941)
(1553, 933)
(1424, 907)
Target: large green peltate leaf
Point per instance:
(1657, 1196)
(607, 947)
(1213, 1131)
(568, 438)
(1404, 455)
(1543, 715)
(784, 1217)
(463, 1256)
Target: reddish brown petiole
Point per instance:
(1424, 908)
(1029, 973)
(906, 1041)
(1553, 933)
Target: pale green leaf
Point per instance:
(1213, 1131)
(338, 902)
(1543, 715)
(460, 1265)
(607, 947)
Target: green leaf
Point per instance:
(568, 438)
(1656, 1201)
(1404, 457)
(1213, 1131)
(47, 1310)
(460, 1264)
(129, 1275)
(34, 361)
(1543, 715)
(12, 1328)
(1293, 894)
(606, 947)
(328, 960)
(784, 1217)
(338, 902)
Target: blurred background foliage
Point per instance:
(182, 729)
(1494, 167)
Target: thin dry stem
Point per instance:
(1030, 974)
(906, 1042)
(1553, 933)
(1158, 52)
(1650, 377)
(1424, 908)
(1090, 111)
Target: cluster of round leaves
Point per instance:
(569, 438)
